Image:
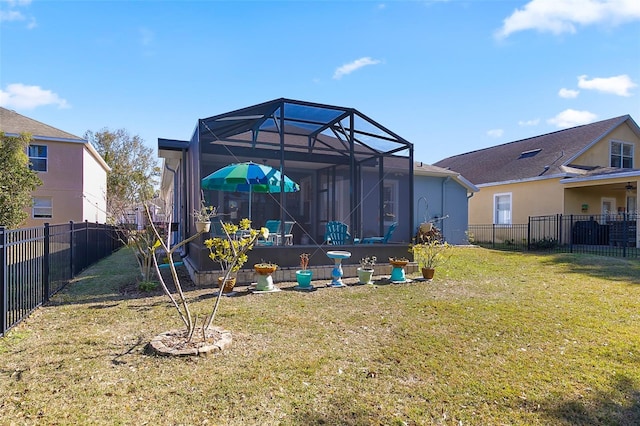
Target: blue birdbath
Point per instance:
(336, 274)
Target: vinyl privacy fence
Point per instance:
(35, 263)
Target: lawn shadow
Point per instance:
(601, 408)
(610, 268)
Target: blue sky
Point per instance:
(449, 76)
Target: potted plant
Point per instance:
(398, 261)
(365, 271)
(265, 280)
(430, 254)
(203, 217)
(231, 250)
(304, 274)
(397, 269)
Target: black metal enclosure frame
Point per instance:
(350, 168)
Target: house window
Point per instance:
(502, 209)
(38, 158)
(42, 208)
(622, 155)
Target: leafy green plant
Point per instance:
(148, 285)
(204, 213)
(431, 253)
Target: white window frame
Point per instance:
(45, 158)
(39, 210)
(621, 155)
(496, 215)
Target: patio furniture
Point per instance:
(274, 232)
(337, 233)
(383, 240)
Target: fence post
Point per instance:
(3, 280)
(493, 236)
(87, 261)
(559, 228)
(71, 250)
(45, 263)
(571, 233)
(625, 234)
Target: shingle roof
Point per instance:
(13, 123)
(542, 155)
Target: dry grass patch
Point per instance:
(496, 338)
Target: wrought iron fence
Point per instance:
(35, 263)
(609, 235)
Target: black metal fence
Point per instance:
(609, 235)
(35, 263)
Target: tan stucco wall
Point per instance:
(598, 155)
(71, 173)
(535, 198)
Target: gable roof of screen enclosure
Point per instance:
(330, 133)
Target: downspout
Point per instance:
(444, 202)
(166, 166)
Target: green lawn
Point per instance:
(497, 338)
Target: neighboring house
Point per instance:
(74, 176)
(441, 197)
(585, 170)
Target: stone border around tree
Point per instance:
(161, 344)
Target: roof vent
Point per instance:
(530, 153)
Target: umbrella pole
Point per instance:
(249, 202)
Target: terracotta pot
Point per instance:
(228, 285)
(265, 268)
(428, 273)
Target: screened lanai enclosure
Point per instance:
(349, 168)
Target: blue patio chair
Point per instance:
(337, 233)
(383, 240)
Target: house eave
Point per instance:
(515, 181)
(599, 178)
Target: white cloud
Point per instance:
(563, 16)
(618, 85)
(533, 122)
(495, 133)
(21, 96)
(568, 93)
(14, 15)
(353, 66)
(571, 118)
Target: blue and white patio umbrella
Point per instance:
(248, 177)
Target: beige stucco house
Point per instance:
(585, 170)
(74, 176)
